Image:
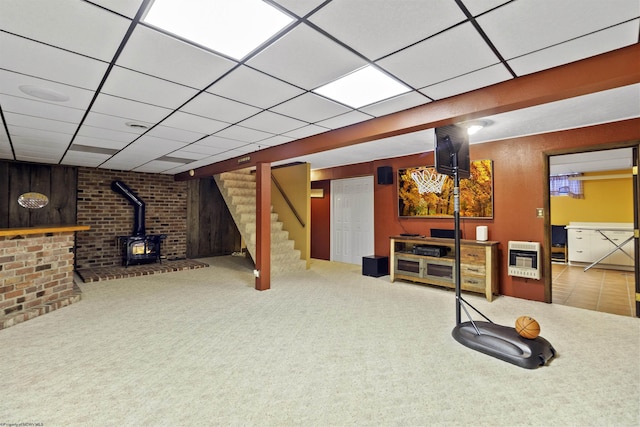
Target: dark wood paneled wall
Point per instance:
(58, 183)
(211, 230)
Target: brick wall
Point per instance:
(37, 275)
(109, 214)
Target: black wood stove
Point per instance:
(138, 248)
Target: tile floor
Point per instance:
(610, 291)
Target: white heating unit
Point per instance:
(524, 260)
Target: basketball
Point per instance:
(527, 327)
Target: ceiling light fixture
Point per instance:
(233, 28)
(43, 93)
(362, 87)
(476, 125)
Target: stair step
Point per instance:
(237, 176)
(241, 191)
(238, 189)
(250, 217)
(276, 236)
(240, 184)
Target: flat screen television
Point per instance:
(450, 141)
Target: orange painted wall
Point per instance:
(519, 188)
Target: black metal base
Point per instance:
(504, 343)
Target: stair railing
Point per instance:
(286, 199)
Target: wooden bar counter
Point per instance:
(36, 271)
(40, 230)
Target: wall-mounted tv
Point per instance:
(476, 194)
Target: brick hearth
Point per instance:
(117, 272)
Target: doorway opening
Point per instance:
(593, 203)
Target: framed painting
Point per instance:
(476, 192)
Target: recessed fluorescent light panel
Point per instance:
(234, 28)
(362, 87)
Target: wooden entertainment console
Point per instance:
(478, 263)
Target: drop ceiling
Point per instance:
(143, 100)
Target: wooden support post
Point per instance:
(263, 226)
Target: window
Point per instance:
(566, 185)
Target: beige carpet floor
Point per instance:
(324, 347)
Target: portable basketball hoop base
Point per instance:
(503, 342)
(495, 340)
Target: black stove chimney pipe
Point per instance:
(138, 206)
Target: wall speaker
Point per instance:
(385, 175)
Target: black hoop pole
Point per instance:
(456, 219)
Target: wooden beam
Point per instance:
(607, 71)
(263, 226)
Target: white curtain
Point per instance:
(562, 185)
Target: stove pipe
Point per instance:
(138, 206)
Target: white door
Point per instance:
(352, 219)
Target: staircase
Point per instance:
(238, 189)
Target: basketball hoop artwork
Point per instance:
(428, 181)
(423, 192)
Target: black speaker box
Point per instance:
(385, 175)
(375, 266)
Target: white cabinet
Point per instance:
(579, 242)
(589, 242)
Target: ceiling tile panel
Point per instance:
(50, 63)
(77, 158)
(109, 134)
(267, 121)
(180, 120)
(40, 109)
(10, 84)
(306, 58)
(175, 134)
(128, 8)
(432, 61)
(184, 153)
(521, 27)
(47, 141)
(377, 28)
(344, 120)
(218, 108)
(157, 54)
(476, 7)
(254, 88)
(5, 146)
(395, 104)
(241, 133)
(217, 142)
(144, 150)
(129, 110)
(306, 131)
(99, 142)
(76, 26)
(29, 147)
(300, 7)
(468, 82)
(311, 108)
(153, 146)
(114, 123)
(275, 140)
(139, 87)
(155, 166)
(197, 151)
(580, 48)
(38, 123)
